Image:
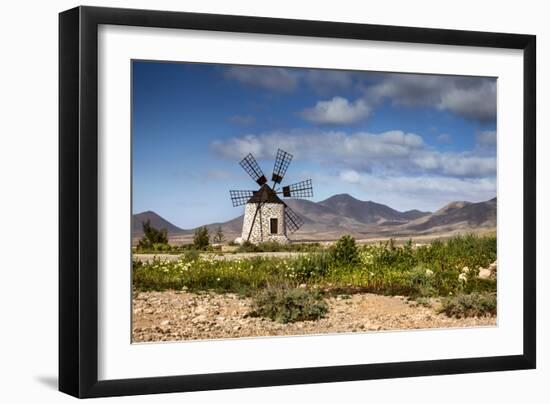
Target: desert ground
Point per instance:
(180, 315)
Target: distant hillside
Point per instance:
(156, 221)
(368, 212)
(459, 214)
(344, 214)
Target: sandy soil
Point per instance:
(370, 237)
(180, 315)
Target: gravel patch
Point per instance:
(180, 315)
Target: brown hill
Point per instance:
(156, 221)
(458, 215)
(343, 214)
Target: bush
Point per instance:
(247, 246)
(472, 305)
(219, 236)
(289, 305)
(422, 282)
(152, 236)
(308, 266)
(201, 240)
(345, 252)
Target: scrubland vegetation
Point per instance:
(291, 289)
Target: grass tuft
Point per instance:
(286, 305)
(472, 305)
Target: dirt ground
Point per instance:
(180, 315)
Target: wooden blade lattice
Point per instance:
(302, 189)
(282, 161)
(250, 165)
(292, 220)
(239, 198)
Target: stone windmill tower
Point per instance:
(266, 216)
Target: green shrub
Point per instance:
(218, 236)
(191, 255)
(201, 240)
(311, 266)
(424, 271)
(247, 246)
(472, 305)
(152, 236)
(344, 251)
(423, 282)
(289, 305)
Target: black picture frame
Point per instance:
(78, 201)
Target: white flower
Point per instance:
(429, 272)
(462, 277)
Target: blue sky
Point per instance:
(406, 140)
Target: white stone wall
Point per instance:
(261, 229)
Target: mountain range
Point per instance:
(343, 214)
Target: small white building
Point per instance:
(264, 218)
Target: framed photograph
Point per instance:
(251, 201)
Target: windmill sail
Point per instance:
(282, 161)
(302, 189)
(250, 165)
(281, 219)
(293, 221)
(241, 197)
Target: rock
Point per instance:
(237, 328)
(165, 322)
(485, 273)
(198, 319)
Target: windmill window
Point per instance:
(273, 226)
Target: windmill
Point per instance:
(266, 216)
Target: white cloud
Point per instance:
(487, 138)
(328, 81)
(444, 138)
(350, 176)
(358, 149)
(404, 192)
(469, 97)
(456, 164)
(388, 153)
(473, 102)
(271, 78)
(336, 111)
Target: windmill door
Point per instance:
(273, 226)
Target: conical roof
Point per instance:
(265, 195)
